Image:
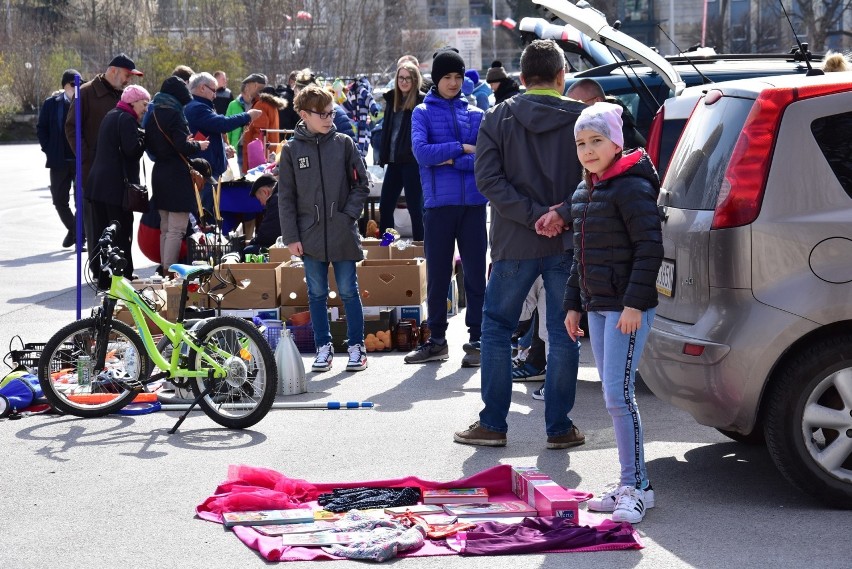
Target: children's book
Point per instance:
(267, 517)
(416, 509)
(311, 527)
(326, 516)
(323, 538)
(455, 495)
(514, 508)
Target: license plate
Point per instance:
(665, 278)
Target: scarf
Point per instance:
(163, 100)
(122, 106)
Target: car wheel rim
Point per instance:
(827, 424)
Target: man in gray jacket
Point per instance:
(527, 166)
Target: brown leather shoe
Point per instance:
(572, 438)
(478, 435)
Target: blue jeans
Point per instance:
(617, 356)
(508, 285)
(316, 276)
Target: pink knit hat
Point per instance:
(603, 118)
(133, 93)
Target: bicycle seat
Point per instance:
(188, 272)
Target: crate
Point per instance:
(29, 355)
(273, 332)
(303, 336)
(211, 253)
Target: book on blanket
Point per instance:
(455, 495)
(267, 517)
(311, 527)
(416, 509)
(514, 508)
(323, 538)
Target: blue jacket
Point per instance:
(51, 131)
(481, 93)
(201, 115)
(439, 127)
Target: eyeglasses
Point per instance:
(404, 79)
(323, 116)
(212, 90)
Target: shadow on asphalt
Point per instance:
(44, 258)
(62, 434)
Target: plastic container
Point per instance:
(273, 332)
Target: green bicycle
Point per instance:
(97, 365)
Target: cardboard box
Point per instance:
(373, 250)
(385, 321)
(414, 250)
(293, 286)
(551, 499)
(524, 479)
(392, 282)
(261, 290)
(122, 314)
(197, 299)
(278, 255)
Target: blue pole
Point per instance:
(78, 192)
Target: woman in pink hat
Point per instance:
(120, 146)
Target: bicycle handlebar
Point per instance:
(112, 257)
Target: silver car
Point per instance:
(753, 334)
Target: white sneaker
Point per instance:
(357, 358)
(324, 356)
(630, 505)
(606, 501)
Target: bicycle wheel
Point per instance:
(245, 395)
(99, 391)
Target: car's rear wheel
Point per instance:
(755, 437)
(809, 421)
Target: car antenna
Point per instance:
(704, 79)
(803, 48)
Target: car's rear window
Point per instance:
(832, 136)
(698, 165)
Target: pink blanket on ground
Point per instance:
(250, 488)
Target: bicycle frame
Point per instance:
(121, 289)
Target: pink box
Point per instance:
(523, 480)
(551, 499)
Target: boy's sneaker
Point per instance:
(606, 501)
(428, 352)
(527, 372)
(480, 436)
(572, 438)
(324, 356)
(357, 358)
(472, 356)
(630, 505)
(538, 394)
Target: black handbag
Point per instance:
(135, 195)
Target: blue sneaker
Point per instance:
(526, 372)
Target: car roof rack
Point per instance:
(604, 70)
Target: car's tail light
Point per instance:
(655, 136)
(692, 349)
(741, 194)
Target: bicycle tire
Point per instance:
(127, 361)
(247, 393)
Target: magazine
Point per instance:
(267, 517)
(311, 527)
(514, 508)
(455, 495)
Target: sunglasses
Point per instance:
(327, 115)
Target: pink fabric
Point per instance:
(251, 488)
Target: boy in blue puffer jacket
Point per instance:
(443, 136)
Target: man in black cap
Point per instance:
(265, 189)
(97, 98)
(60, 157)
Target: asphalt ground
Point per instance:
(121, 492)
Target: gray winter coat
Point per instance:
(322, 188)
(526, 161)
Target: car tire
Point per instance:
(808, 422)
(754, 438)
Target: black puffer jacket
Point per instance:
(618, 244)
